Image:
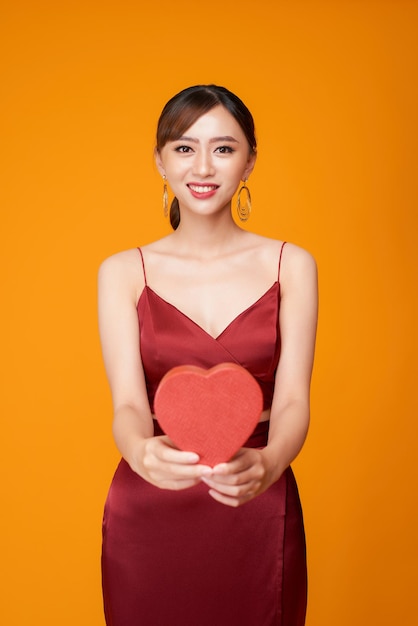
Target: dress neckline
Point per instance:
(148, 289)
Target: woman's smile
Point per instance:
(202, 191)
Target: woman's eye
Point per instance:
(183, 149)
(225, 149)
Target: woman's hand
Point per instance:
(241, 479)
(163, 465)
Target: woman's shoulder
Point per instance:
(121, 261)
(122, 271)
(296, 254)
(297, 266)
(284, 250)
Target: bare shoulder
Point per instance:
(293, 256)
(122, 270)
(298, 268)
(297, 258)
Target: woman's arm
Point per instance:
(290, 411)
(153, 458)
(252, 471)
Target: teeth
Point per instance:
(202, 189)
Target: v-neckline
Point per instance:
(147, 288)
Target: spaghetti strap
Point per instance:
(143, 265)
(280, 260)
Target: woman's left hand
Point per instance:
(241, 479)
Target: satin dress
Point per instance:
(179, 558)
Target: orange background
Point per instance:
(332, 86)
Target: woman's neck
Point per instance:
(206, 237)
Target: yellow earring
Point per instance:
(165, 196)
(244, 208)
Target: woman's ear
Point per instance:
(158, 162)
(250, 166)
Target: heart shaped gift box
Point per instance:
(211, 412)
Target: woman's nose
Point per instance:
(203, 164)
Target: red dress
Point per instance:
(180, 558)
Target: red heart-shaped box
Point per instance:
(211, 412)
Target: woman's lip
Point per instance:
(202, 191)
(202, 188)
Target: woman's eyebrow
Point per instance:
(225, 138)
(213, 140)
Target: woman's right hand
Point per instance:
(160, 463)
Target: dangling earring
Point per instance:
(244, 209)
(165, 196)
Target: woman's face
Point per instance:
(205, 166)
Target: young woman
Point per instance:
(186, 544)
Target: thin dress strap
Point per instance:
(280, 261)
(143, 265)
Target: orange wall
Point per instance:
(332, 86)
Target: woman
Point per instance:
(186, 544)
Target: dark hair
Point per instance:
(182, 111)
